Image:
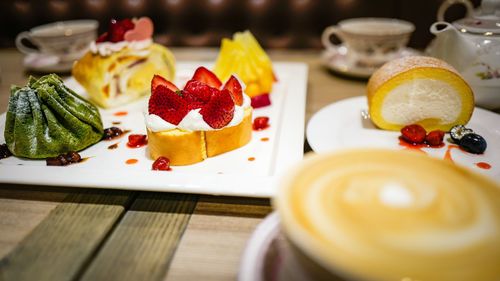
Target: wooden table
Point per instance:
(54, 233)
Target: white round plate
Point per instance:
(345, 124)
(336, 60)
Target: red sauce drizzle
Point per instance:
(264, 139)
(412, 146)
(120, 113)
(131, 161)
(251, 158)
(483, 165)
(447, 155)
(116, 122)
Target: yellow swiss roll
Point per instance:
(419, 90)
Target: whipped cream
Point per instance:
(193, 121)
(108, 48)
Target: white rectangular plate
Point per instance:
(272, 150)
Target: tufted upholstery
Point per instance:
(276, 23)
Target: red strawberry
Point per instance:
(117, 29)
(219, 111)
(127, 24)
(260, 101)
(260, 123)
(435, 138)
(234, 87)
(137, 140)
(168, 105)
(158, 80)
(102, 38)
(197, 94)
(161, 164)
(413, 133)
(206, 76)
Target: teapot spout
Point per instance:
(451, 46)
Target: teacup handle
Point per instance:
(25, 35)
(325, 37)
(446, 4)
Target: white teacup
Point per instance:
(67, 40)
(370, 41)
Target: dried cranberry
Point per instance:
(260, 123)
(435, 138)
(111, 133)
(136, 140)
(73, 157)
(413, 133)
(64, 159)
(161, 164)
(4, 151)
(260, 101)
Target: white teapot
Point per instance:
(472, 46)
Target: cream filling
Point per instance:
(193, 121)
(108, 48)
(421, 99)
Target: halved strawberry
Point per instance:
(168, 105)
(197, 93)
(234, 87)
(219, 111)
(158, 80)
(206, 76)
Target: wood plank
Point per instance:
(143, 244)
(215, 238)
(67, 238)
(22, 208)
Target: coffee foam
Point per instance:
(389, 215)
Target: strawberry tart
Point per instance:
(204, 119)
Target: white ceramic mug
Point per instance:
(67, 39)
(370, 41)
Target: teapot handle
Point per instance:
(447, 3)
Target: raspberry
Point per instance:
(414, 134)
(435, 138)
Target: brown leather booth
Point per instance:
(276, 23)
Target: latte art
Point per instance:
(390, 215)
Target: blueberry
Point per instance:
(458, 131)
(473, 143)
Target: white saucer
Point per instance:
(336, 59)
(343, 125)
(46, 63)
(268, 256)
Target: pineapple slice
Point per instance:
(244, 57)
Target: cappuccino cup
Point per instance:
(370, 42)
(67, 40)
(378, 214)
